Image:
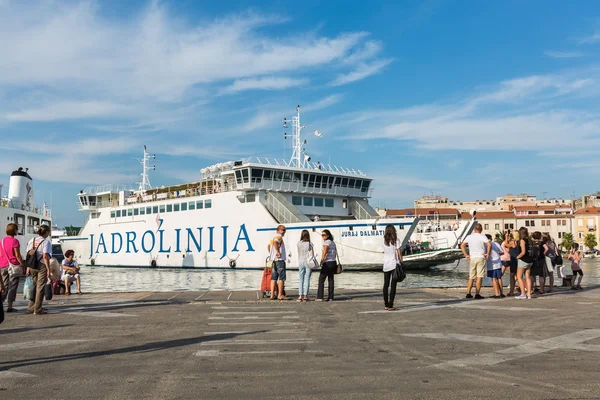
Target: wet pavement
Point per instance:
(235, 345)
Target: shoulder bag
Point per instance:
(13, 270)
(398, 274)
(312, 260)
(339, 269)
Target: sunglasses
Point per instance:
(324, 235)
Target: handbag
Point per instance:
(398, 273)
(339, 269)
(311, 260)
(28, 290)
(48, 290)
(13, 270)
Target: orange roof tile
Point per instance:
(537, 207)
(588, 210)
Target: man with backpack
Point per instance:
(39, 251)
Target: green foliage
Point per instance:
(567, 241)
(590, 241)
(500, 236)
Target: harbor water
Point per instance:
(110, 279)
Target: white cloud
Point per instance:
(362, 71)
(591, 39)
(564, 54)
(530, 113)
(264, 83)
(66, 110)
(82, 65)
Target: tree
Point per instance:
(590, 241)
(499, 237)
(567, 241)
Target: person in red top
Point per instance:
(10, 253)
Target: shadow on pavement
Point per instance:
(148, 347)
(27, 329)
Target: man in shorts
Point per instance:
(479, 251)
(278, 257)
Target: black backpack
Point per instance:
(31, 260)
(533, 250)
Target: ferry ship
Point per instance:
(228, 217)
(19, 207)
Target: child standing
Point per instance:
(575, 256)
(494, 268)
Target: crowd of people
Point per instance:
(35, 264)
(328, 266)
(528, 258)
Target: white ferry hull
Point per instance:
(218, 238)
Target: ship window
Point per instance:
(345, 203)
(94, 215)
(287, 176)
(183, 206)
(358, 183)
(318, 181)
(129, 212)
(199, 204)
(257, 175)
(338, 181)
(250, 198)
(344, 182)
(93, 201)
(297, 177)
(238, 177)
(169, 207)
(142, 211)
(365, 186)
(297, 200)
(136, 211)
(46, 222)
(113, 214)
(155, 210)
(175, 207)
(328, 202)
(268, 174)
(308, 201)
(245, 175)
(318, 202)
(192, 205)
(311, 180)
(118, 213)
(330, 184)
(148, 210)
(208, 204)
(277, 176)
(304, 179)
(351, 183)
(161, 208)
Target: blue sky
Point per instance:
(467, 99)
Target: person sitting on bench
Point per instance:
(70, 272)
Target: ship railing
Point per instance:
(310, 165)
(43, 211)
(298, 187)
(107, 188)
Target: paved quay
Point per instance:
(235, 345)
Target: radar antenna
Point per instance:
(145, 183)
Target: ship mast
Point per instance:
(299, 158)
(145, 183)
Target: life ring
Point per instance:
(153, 263)
(232, 263)
(93, 262)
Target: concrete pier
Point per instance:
(236, 345)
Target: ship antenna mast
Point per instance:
(145, 183)
(299, 157)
